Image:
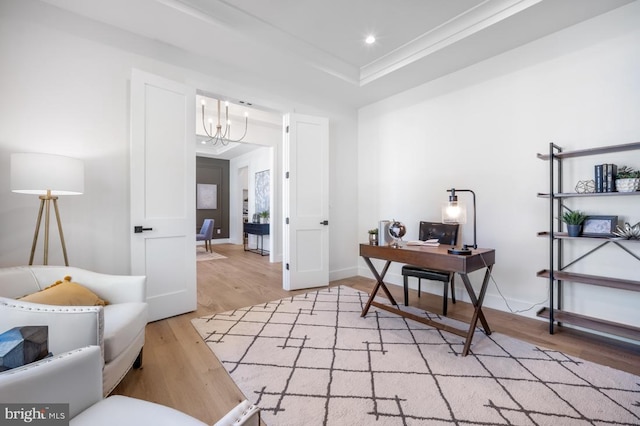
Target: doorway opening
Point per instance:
(252, 158)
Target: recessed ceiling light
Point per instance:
(370, 39)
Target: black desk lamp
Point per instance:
(454, 212)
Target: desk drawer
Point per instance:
(256, 228)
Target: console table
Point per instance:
(259, 229)
(433, 258)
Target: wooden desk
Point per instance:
(433, 258)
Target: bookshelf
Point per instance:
(557, 272)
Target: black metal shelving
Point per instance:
(557, 273)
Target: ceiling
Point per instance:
(314, 50)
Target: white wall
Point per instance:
(481, 128)
(65, 90)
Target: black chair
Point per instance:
(446, 234)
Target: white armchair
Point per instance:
(75, 378)
(118, 328)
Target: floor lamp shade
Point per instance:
(48, 176)
(42, 174)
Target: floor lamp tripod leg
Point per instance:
(64, 246)
(45, 205)
(37, 231)
(47, 212)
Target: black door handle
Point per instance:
(324, 222)
(140, 229)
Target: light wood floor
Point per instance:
(180, 371)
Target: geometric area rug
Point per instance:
(312, 360)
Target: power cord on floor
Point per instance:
(543, 303)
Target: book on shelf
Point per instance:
(598, 177)
(605, 177)
(429, 243)
(612, 171)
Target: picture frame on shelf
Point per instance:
(599, 226)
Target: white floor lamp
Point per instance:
(48, 176)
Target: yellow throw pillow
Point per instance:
(65, 293)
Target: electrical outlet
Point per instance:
(218, 231)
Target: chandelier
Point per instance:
(220, 135)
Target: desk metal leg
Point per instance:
(477, 303)
(380, 283)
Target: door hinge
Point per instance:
(287, 129)
(286, 221)
(286, 175)
(287, 266)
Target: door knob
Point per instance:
(140, 229)
(324, 222)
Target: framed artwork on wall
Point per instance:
(206, 196)
(262, 191)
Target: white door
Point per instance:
(163, 192)
(306, 202)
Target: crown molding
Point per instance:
(458, 28)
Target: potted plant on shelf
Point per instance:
(574, 220)
(627, 179)
(264, 216)
(373, 237)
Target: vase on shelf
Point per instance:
(627, 184)
(574, 230)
